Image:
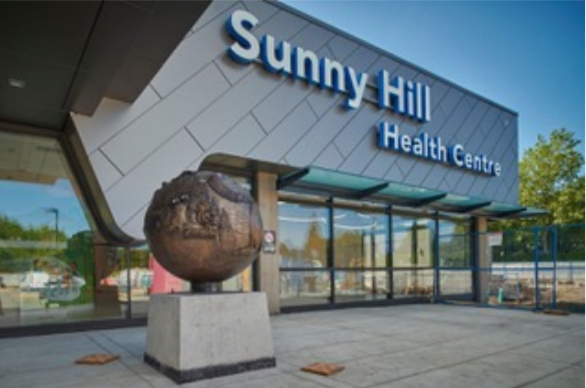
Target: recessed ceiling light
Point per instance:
(16, 83)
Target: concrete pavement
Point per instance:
(400, 346)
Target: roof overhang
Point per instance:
(65, 56)
(335, 184)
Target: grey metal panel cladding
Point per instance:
(202, 102)
(276, 144)
(319, 137)
(341, 47)
(193, 54)
(106, 173)
(330, 158)
(135, 190)
(164, 119)
(113, 116)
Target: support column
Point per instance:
(483, 259)
(268, 263)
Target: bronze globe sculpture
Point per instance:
(204, 228)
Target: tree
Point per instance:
(315, 243)
(349, 249)
(17, 239)
(549, 174)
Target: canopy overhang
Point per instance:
(316, 180)
(66, 56)
(335, 184)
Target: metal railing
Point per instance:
(536, 268)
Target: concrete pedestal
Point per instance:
(201, 336)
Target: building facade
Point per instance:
(374, 176)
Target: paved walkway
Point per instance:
(403, 346)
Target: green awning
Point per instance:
(499, 210)
(330, 183)
(529, 212)
(336, 184)
(317, 180)
(460, 203)
(400, 194)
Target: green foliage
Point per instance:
(12, 230)
(19, 235)
(21, 252)
(549, 174)
(79, 255)
(454, 250)
(571, 241)
(139, 258)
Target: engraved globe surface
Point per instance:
(203, 227)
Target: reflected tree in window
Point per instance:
(315, 245)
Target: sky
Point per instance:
(525, 55)
(36, 210)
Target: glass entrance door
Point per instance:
(413, 240)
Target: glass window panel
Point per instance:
(412, 282)
(412, 241)
(454, 243)
(303, 233)
(111, 293)
(360, 239)
(52, 262)
(354, 286)
(239, 283)
(300, 288)
(455, 282)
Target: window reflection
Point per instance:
(360, 239)
(361, 285)
(412, 242)
(456, 282)
(304, 232)
(455, 257)
(454, 243)
(412, 283)
(110, 294)
(300, 288)
(413, 239)
(50, 265)
(54, 267)
(361, 256)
